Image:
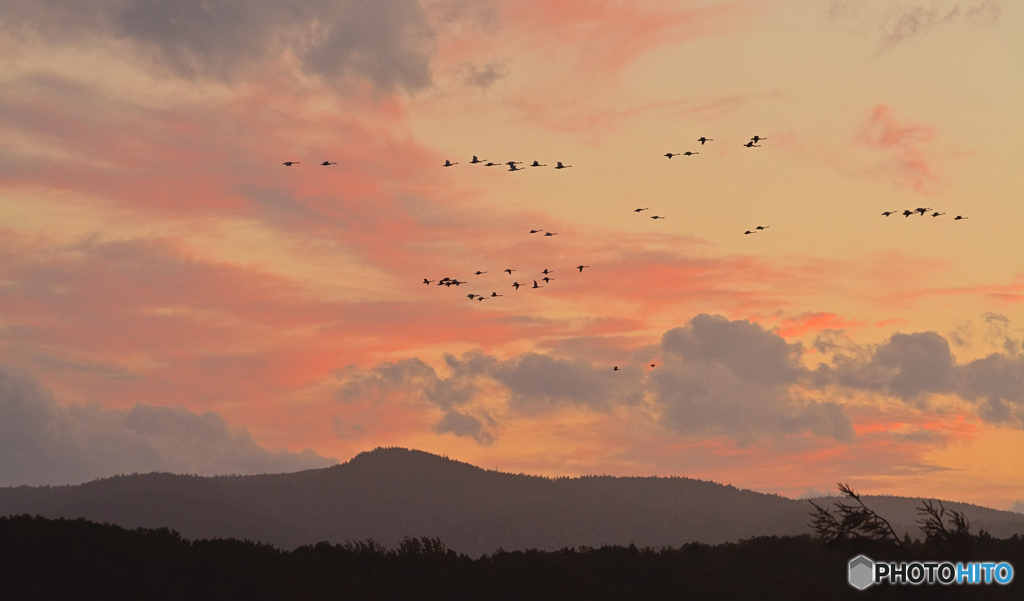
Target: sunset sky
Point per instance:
(174, 298)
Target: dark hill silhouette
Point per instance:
(388, 494)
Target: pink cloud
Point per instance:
(611, 34)
(910, 161)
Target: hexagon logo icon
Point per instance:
(861, 572)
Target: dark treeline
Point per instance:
(78, 559)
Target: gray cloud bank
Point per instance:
(914, 366)
(42, 442)
(715, 377)
(389, 42)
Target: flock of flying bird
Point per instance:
(512, 166)
(922, 211)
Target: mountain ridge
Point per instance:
(389, 493)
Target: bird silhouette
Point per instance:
(536, 231)
(702, 139)
(548, 271)
(561, 166)
(493, 165)
(547, 279)
(290, 163)
(479, 272)
(494, 294)
(922, 210)
(449, 163)
(509, 271)
(656, 217)
(748, 232)
(752, 145)
(639, 210)
(516, 285)
(537, 164)
(580, 267)
(476, 160)
(887, 213)
(326, 163)
(470, 296)
(936, 214)
(535, 285)
(616, 368)
(514, 168)
(456, 283)
(762, 227)
(481, 298)
(513, 163)
(959, 217)
(757, 139)
(550, 233)
(654, 365)
(443, 282)
(426, 281)
(908, 213)
(670, 155)
(688, 153)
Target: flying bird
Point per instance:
(481, 297)
(327, 163)
(456, 282)
(493, 165)
(548, 271)
(748, 232)
(561, 166)
(448, 163)
(640, 210)
(670, 155)
(476, 160)
(509, 271)
(290, 163)
(616, 368)
(479, 272)
(908, 213)
(514, 168)
(656, 217)
(426, 281)
(535, 284)
(654, 365)
(762, 227)
(513, 163)
(922, 210)
(936, 214)
(757, 139)
(494, 294)
(752, 145)
(516, 285)
(959, 217)
(887, 213)
(470, 296)
(537, 164)
(688, 153)
(547, 279)
(702, 139)
(536, 231)
(580, 267)
(550, 233)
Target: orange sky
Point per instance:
(155, 251)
